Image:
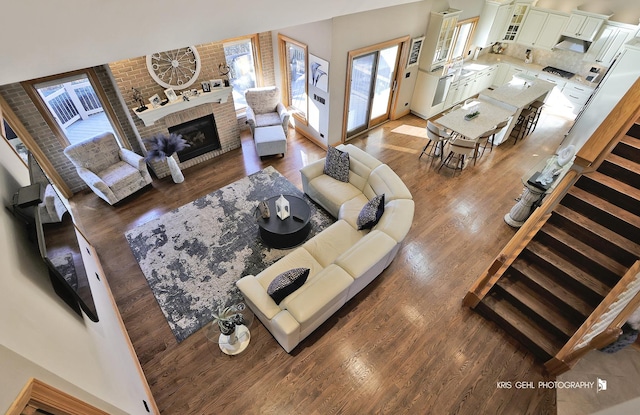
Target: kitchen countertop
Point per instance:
(470, 67)
(519, 95)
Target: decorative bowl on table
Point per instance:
(471, 115)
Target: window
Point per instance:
(293, 63)
(462, 38)
(74, 105)
(242, 56)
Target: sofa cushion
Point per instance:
(320, 297)
(332, 242)
(336, 164)
(350, 210)
(268, 119)
(384, 180)
(286, 283)
(299, 257)
(331, 193)
(397, 218)
(371, 213)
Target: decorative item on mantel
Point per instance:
(224, 70)
(137, 97)
(162, 147)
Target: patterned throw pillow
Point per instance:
(286, 283)
(336, 164)
(371, 213)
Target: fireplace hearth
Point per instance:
(201, 134)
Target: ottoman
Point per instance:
(270, 140)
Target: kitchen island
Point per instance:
(516, 96)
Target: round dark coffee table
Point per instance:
(287, 233)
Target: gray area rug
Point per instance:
(193, 255)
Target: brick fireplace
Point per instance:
(132, 73)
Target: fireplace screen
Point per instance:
(201, 134)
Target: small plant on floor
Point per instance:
(162, 146)
(228, 317)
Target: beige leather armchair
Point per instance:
(265, 109)
(113, 173)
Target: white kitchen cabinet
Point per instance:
(583, 26)
(492, 22)
(500, 77)
(542, 28)
(439, 38)
(518, 13)
(617, 81)
(605, 48)
(576, 95)
(423, 94)
(484, 79)
(451, 95)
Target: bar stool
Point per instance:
(437, 137)
(536, 107)
(523, 125)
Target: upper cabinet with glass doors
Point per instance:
(440, 35)
(520, 9)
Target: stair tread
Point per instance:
(589, 281)
(623, 162)
(539, 277)
(598, 229)
(613, 183)
(631, 141)
(547, 345)
(605, 206)
(589, 252)
(545, 309)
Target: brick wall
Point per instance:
(48, 142)
(133, 73)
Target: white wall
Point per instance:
(40, 328)
(107, 31)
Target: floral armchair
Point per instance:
(113, 173)
(265, 109)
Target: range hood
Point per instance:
(572, 44)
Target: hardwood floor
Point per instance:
(405, 344)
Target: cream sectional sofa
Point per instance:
(342, 259)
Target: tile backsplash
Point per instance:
(561, 59)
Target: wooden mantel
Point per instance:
(151, 115)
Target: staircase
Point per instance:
(589, 241)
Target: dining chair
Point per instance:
(437, 137)
(460, 148)
(491, 136)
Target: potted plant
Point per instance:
(227, 318)
(162, 147)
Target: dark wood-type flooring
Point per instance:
(405, 344)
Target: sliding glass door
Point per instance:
(371, 86)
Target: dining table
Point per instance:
(489, 115)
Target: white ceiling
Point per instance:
(39, 38)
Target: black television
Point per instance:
(59, 248)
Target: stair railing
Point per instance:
(588, 158)
(604, 324)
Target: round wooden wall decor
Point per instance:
(177, 69)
